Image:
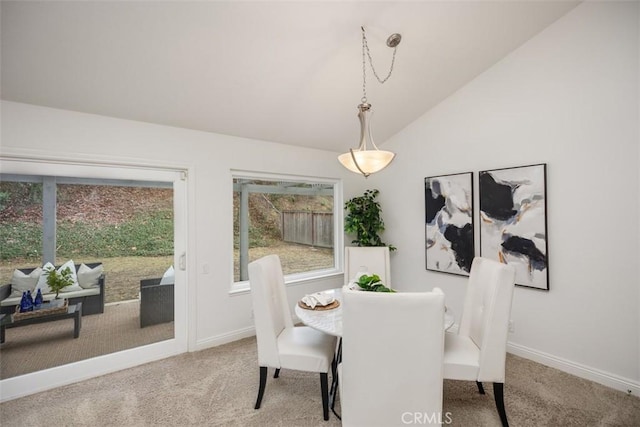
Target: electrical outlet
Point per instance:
(512, 327)
(251, 315)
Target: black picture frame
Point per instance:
(449, 228)
(513, 221)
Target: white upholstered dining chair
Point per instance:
(392, 349)
(280, 343)
(477, 352)
(374, 260)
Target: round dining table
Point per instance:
(330, 321)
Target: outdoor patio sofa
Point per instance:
(92, 298)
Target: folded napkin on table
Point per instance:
(316, 299)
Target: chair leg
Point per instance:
(337, 358)
(334, 390)
(498, 392)
(324, 386)
(263, 383)
(277, 374)
(480, 387)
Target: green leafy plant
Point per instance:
(58, 280)
(372, 283)
(364, 219)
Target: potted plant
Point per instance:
(364, 219)
(372, 283)
(58, 280)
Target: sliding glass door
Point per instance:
(133, 225)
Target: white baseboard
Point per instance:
(232, 336)
(225, 338)
(605, 378)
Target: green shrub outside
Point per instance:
(4, 199)
(20, 240)
(149, 234)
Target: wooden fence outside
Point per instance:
(308, 228)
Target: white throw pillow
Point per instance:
(21, 282)
(74, 286)
(169, 277)
(42, 281)
(88, 277)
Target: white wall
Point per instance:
(568, 98)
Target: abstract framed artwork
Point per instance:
(449, 223)
(513, 221)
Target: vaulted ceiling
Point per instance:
(287, 72)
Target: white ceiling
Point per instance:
(288, 72)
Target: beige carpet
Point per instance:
(217, 387)
(44, 345)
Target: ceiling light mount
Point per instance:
(394, 40)
(362, 160)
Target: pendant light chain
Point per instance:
(365, 49)
(364, 69)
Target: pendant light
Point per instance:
(365, 160)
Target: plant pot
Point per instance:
(56, 302)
